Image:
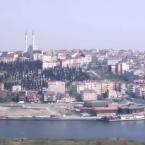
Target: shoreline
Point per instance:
(64, 119)
(52, 118)
(25, 141)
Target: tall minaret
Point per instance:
(26, 42)
(33, 40)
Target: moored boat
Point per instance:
(131, 117)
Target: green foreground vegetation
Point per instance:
(68, 142)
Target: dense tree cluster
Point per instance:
(65, 74)
(30, 75)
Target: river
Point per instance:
(72, 129)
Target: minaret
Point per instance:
(33, 40)
(26, 42)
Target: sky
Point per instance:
(73, 24)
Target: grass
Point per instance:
(67, 142)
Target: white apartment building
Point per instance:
(57, 87)
(98, 86)
(8, 57)
(89, 85)
(89, 95)
(76, 61)
(49, 61)
(140, 92)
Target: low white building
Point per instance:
(16, 88)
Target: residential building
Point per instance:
(57, 87)
(89, 85)
(89, 95)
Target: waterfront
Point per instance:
(72, 129)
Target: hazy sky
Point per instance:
(73, 23)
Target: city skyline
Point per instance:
(71, 24)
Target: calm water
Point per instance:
(72, 129)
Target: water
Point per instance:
(72, 129)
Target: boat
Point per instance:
(128, 117)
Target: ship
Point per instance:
(128, 117)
